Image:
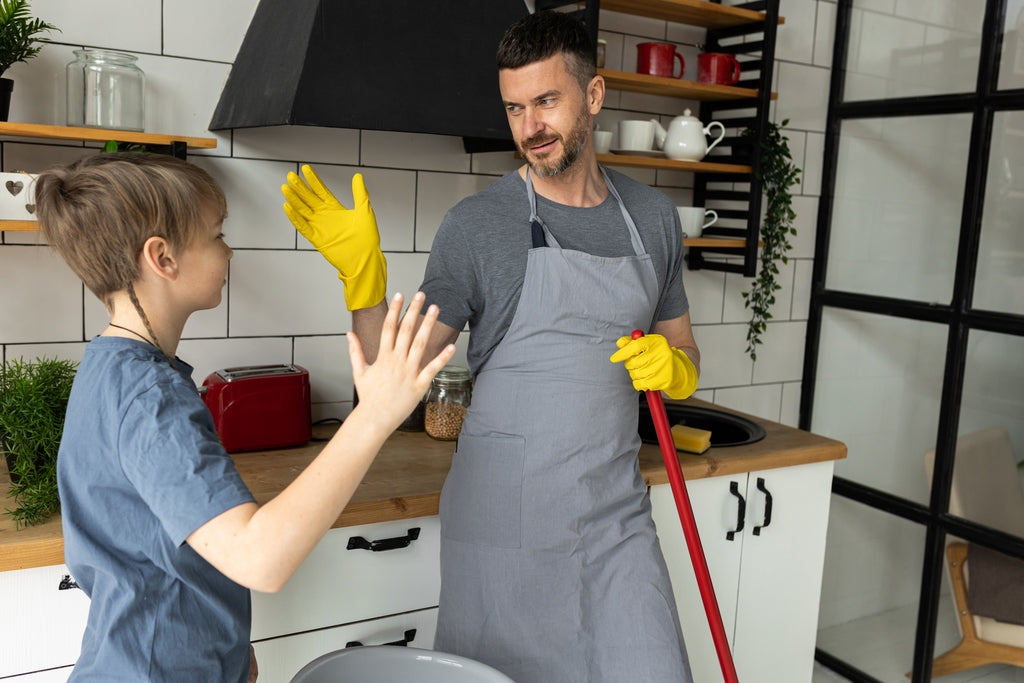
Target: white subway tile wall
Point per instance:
(283, 302)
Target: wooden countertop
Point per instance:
(405, 479)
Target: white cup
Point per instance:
(694, 219)
(602, 141)
(636, 135)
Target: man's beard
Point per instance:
(572, 147)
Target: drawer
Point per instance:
(42, 624)
(342, 581)
(280, 658)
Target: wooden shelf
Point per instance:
(715, 242)
(41, 131)
(46, 132)
(723, 22)
(692, 12)
(675, 87)
(19, 226)
(666, 164)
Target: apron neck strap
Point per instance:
(541, 235)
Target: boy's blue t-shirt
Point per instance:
(140, 468)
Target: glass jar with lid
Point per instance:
(105, 89)
(446, 402)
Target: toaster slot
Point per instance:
(249, 371)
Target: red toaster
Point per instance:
(256, 407)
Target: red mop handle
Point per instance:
(697, 559)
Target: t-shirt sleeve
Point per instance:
(674, 302)
(172, 456)
(450, 279)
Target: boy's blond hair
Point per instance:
(99, 211)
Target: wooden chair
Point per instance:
(986, 489)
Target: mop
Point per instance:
(697, 559)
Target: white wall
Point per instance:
(283, 301)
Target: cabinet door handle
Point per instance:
(360, 543)
(404, 641)
(767, 506)
(741, 510)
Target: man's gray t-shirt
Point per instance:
(477, 264)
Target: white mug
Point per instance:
(636, 135)
(602, 141)
(693, 219)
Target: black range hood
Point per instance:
(421, 66)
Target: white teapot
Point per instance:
(686, 137)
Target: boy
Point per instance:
(159, 529)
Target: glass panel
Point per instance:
(870, 589)
(987, 489)
(908, 49)
(878, 387)
(897, 205)
(1011, 69)
(986, 480)
(999, 282)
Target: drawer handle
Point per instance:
(67, 583)
(409, 636)
(741, 510)
(767, 506)
(360, 543)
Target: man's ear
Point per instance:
(158, 259)
(595, 94)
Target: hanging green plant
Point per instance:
(778, 174)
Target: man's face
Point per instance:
(547, 113)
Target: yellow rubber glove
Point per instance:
(656, 366)
(347, 238)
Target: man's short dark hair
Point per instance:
(541, 35)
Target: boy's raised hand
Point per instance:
(395, 382)
(347, 238)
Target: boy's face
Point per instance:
(204, 262)
(548, 114)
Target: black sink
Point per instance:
(726, 429)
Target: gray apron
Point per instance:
(550, 567)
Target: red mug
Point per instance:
(717, 67)
(658, 59)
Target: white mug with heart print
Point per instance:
(695, 218)
(17, 197)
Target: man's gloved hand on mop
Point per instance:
(655, 366)
(347, 238)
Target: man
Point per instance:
(551, 569)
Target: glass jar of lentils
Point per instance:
(446, 402)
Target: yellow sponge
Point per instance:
(691, 439)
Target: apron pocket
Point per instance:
(481, 501)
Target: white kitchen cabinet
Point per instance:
(339, 585)
(346, 591)
(43, 619)
(375, 583)
(767, 576)
(280, 658)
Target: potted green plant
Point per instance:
(19, 33)
(778, 174)
(33, 401)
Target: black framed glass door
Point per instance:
(915, 346)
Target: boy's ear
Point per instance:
(158, 258)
